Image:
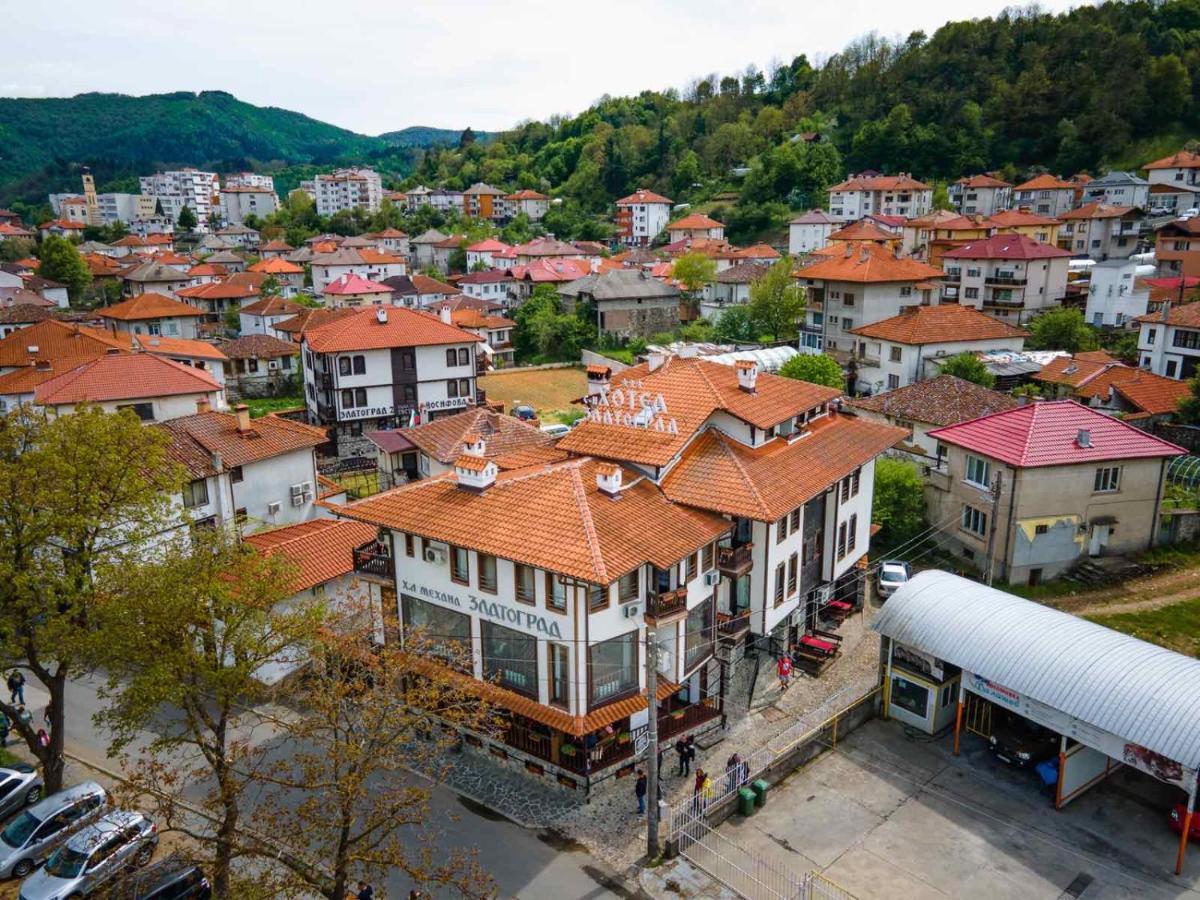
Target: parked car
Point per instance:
(95, 854)
(556, 430)
(1176, 820)
(892, 574)
(173, 878)
(34, 834)
(1190, 213)
(20, 786)
(524, 413)
(1019, 742)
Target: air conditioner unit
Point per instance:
(272, 507)
(436, 554)
(666, 661)
(711, 579)
(632, 610)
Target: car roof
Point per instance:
(18, 768)
(52, 804)
(87, 837)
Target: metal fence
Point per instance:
(735, 867)
(818, 887)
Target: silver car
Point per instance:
(36, 832)
(94, 855)
(20, 786)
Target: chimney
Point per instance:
(218, 461)
(203, 406)
(1166, 310)
(381, 315)
(655, 360)
(474, 444)
(42, 365)
(747, 372)
(243, 418)
(444, 313)
(31, 349)
(608, 479)
(598, 378)
(475, 474)
(1083, 438)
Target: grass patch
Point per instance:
(7, 758)
(1047, 590)
(261, 406)
(1176, 627)
(358, 484)
(549, 391)
(620, 354)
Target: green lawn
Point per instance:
(1176, 627)
(260, 406)
(7, 758)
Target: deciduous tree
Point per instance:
(60, 261)
(969, 367)
(777, 301)
(816, 368)
(898, 504)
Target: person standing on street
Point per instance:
(733, 769)
(5, 727)
(697, 789)
(681, 749)
(691, 751)
(706, 793)
(365, 892)
(16, 687)
(639, 790)
(783, 669)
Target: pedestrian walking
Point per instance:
(16, 687)
(783, 669)
(365, 892)
(639, 791)
(697, 788)
(743, 774)
(691, 751)
(43, 739)
(681, 749)
(706, 794)
(48, 715)
(733, 768)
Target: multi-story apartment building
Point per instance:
(482, 201)
(1009, 276)
(531, 203)
(1099, 231)
(1045, 195)
(347, 189)
(699, 500)
(810, 231)
(383, 367)
(1118, 189)
(863, 284)
(241, 200)
(1169, 341)
(110, 207)
(889, 195)
(1116, 293)
(199, 191)
(642, 216)
(980, 195)
(250, 180)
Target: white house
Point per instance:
(981, 195)
(642, 216)
(481, 253)
(531, 203)
(1169, 341)
(810, 231)
(889, 195)
(730, 287)
(364, 262)
(1045, 195)
(261, 316)
(495, 286)
(1116, 293)
(152, 314)
(1101, 231)
(1118, 189)
(1009, 276)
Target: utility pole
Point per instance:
(652, 745)
(995, 492)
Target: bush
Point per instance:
(816, 368)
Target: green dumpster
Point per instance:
(760, 791)
(747, 801)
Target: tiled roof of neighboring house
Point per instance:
(620, 284)
(276, 246)
(276, 265)
(473, 318)
(232, 288)
(963, 223)
(338, 257)
(862, 231)
(591, 248)
(693, 222)
(1045, 183)
(1047, 434)
(488, 276)
(1186, 316)
(693, 389)
(868, 262)
(54, 340)
(552, 517)
(272, 306)
(23, 313)
(148, 306)
(945, 323)
(533, 455)
(374, 257)
(1184, 159)
(863, 182)
(37, 283)
(743, 273)
(207, 270)
(24, 297)
(462, 301)
(225, 258)
(814, 217)
(1186, 227)
(453, 242)
(641, 196)
(480, 187)
(1073, 371)
(14, 231)
(487, 245)
(1097, 210)
(432, 236)
(982, 181)
(932, 219)
(553, 271)
(353, 285)
(1100, 377)
(121, 376)
(444, 438)
(764, 483)
(311, 318)
(258, 346)
(1015, 218)
(389, 233)
(756, 251)
(1116, 177)
(173, 347)
(1153, 395)
(154, 271)
(545, 247)
(944, 400)
(197, 437)
(402, 328)
(526, 195)
(426, 285)
(318, 551)
(1006, 246)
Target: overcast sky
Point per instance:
(379, 66)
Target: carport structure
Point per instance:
(1112, 696)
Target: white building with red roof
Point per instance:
(889, 195)
(531, 203)
(696, 225)
(981, 195)
(1101, 231)
(1009, 276)
(481, 253)
(354, 290)
(1048, 484)
(156, 389)
(810, 231)
(1045, 195)
(642, 216)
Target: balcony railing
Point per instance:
(1009, 303)
(373, 559)
(667, 604)
(1005, 281)
(735, 561)
(731, 626)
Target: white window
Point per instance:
(1108, 479)
(978, 471)
(974, 521)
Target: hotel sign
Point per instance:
(630, 405)
(487, 608)
(379, 412)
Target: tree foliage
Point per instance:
(1061, 328)
(1189, 406)
(187, 220)
(60, 261)
(969, 367)
(694, 271)
(816, 368)
(898, 503)
(777, 301)
(545, 332)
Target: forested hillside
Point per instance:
(1096, 87)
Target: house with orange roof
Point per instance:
(259, 365)
(696, 225)
(214, 298)
(289, 275)
(558, 271)
(1008, 276)
(1168, 341)
(156, 278)
(1016, 221)
(528, 202)
(154, 388)
(757, 493)
(1045, 195)
(980, 195)
(481, 253)
(1101, 231)
(261, 316)
(1108, 384)
(382, 367)
(366, 263)
(152, 314)
(68, 228)
(275, 248)
(930, 236)
(1178, 169)
(641, 217)
(1177, 248)
(493, 285)
(495, 333)
(891, 195)
(906, 348)
(857, 285)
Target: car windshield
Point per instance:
(892, 575)
(19, 829)
(66, 862)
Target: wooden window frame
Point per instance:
(691, 567)
(589, 587)
(551, 581)
(781, 529)
(709, 558)
(793, 573)
(479, 566)
(551, 648)
(794, 520)
(780, 584)
(518, 569)
(465, 578)
(409, 545)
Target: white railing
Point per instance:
(738, 869)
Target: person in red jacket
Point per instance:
(783, 669)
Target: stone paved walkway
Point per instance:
(678, 878)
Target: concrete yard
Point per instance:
(892, 813)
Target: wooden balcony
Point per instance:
(731, 627)
(666, 607)
(735, 561)
(373, 560)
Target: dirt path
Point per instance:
(1151, 592)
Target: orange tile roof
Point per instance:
(148, 306)
(229, 289)
(765, 483)
(310, 318)
(942, 324)
(932, 219)
(692, 389)
(869, 263)
(403, 328)
(863, 231)
(201, 435)
(642, 196)
(259, 346)
(1184, 159)
(120, 376)
(694, 222)
(982, 181)
(426, 285)
(57, 340)
(944, 400)
(318, 551)
(880, 183)
(1098, 379)
(276, 265)
(277, 246)
(756, 251)
(552, 270)
(1015, 218)
(1152, 394)
(1073, 371)
(551, 517)
(474, 318)
(173, 346)
(1045, 183)
(273, 306)
(207, 270)
(1097, 210)
(526, 194)
(444, 438)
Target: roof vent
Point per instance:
(747, 372)
(31, 349)
(608, 479)
(42, 365)
(655, 360)
(243, 418)
(381, 315)
(1083, 438)
(475, 474)
(445, 314)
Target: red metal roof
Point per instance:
(1006, 246)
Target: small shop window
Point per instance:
(444, 632)
(910, 696)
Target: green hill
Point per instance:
(425, 136)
